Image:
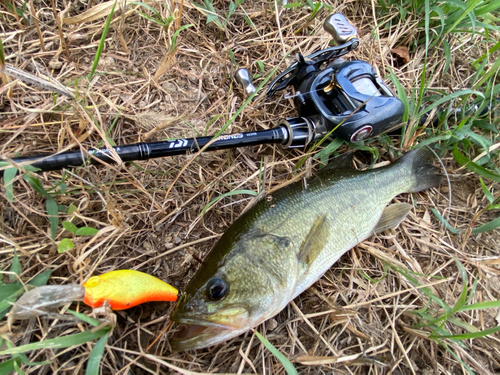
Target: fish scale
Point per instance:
(286, 242)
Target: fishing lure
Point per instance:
(125, 288)
(121, 290)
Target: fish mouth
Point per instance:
(197, 336)
(207, 330)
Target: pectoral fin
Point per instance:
(315, 241)
(392, 216)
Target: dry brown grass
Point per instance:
(344, 324)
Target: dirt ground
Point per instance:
(356, 320)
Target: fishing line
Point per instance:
(447, 179)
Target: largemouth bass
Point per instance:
(287, 241)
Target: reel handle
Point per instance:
(343, 33)
(339, 28)
(244, 78)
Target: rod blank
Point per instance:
(144, 151)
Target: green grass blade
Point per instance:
(494, 224)
(8, 289)
(487, 193)
(176, 34)
(471, 5)
(470, 165)
(96, 356)
(316, 8)
(485, 55)
(449, 97)
(102, 41)
(422, 89)
(493, 71)
(460, 323)
(488, 8)
(481, 306)
(228, 194)
(209, 11)
(53, 213)
(7, 367)
(149, 7)
(36, 185)
(465, 283)
(442, 19)
(15, 267)
(59, 342)
(447, 56)
(5, 305)
(487, 27)
(430, 141)
(472, 291)
(479, 71)
(469, 335)
(482, 141)
(2, 55)
(150, 18)
(18, 369)
(41, 279)
(331, 147)
(292, 5)
(426, 291)
(289, 367)
(469, 370)
(8, 177)
(401, 93)
(427, 22)
(25, 361)
(85, 318)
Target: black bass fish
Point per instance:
(287, 241)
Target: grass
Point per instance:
(420, 299)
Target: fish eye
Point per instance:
(217, 288)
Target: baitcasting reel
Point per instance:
(344, 98)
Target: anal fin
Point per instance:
(392, 216)
(315, 241)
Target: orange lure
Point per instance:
(125, 288)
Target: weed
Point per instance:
(100, 47)
(212, 16)
(158, 19)
(290, 369)
(437, 321)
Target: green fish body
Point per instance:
(287, 241)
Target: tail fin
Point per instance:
(419, 163)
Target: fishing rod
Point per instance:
(341, 98)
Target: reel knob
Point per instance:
(339, 28)
(244, 78)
